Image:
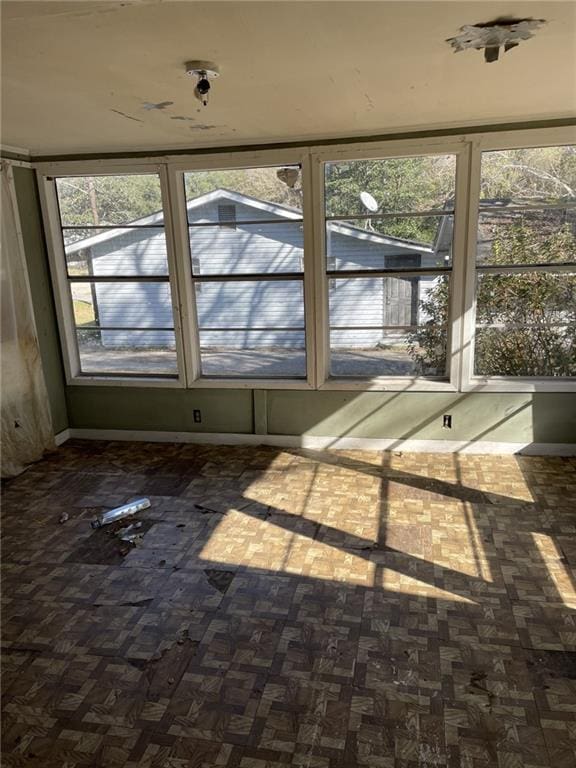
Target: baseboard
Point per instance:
(324, 443)
(61, 437)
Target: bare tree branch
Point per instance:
(543, 175)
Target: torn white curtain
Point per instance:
(26, 423)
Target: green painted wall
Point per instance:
(222, 410)
(541, 418)
(41, 289)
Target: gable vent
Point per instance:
(227, 216)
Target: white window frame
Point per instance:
(47, 175)
(484, 143)
(230, 161)
(381, 151)
(467, 147)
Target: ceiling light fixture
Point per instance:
(204, 71)
(493, 35)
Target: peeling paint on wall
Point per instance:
(493, 35)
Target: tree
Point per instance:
(88, 201)
(399, 185)
(107, 200)
(525, 322)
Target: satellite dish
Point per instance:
(368, 202)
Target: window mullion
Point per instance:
(309, 262)
(117, 279)
(243, 277)
(186, 294)
(321, 321)
(456, 306)
(469, 297)
(173, 272)
(512, 269)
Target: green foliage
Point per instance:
(427, 344)
(528, 174)
(526, 322)
(260, 183)
(107, 200)
(399, 185)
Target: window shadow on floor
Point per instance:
(331, 608)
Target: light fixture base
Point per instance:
(201, 68)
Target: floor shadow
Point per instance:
(325, 608)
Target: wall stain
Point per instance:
(183, 117)
(160, 105)
(204, 127)
(128, 117)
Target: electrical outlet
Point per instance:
(197, 416)
(447, 421)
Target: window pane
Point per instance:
(256, 354)
(250, 304)
(388, 326)
(397, 243)
(247, 248)
(139, 251)
(526, 324)
(529, 176)
(395, 185)
(244, 194)
(130, 352)
(122, 305)
(251, 328)
(107, 200)
(527, 237)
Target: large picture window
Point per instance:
(389, 228)
(116, 269)
(438, 265)
(526, 264)
(246, 236)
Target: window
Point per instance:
(246, 238)
(525, 283)
(388, 236)
(444, 265)
(116, 271)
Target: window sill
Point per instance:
(399, 384)
(125, 381)
(240, 383)
(504, 384)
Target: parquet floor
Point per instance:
(290, 608)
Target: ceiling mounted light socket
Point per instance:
(204, 71)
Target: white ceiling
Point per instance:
(76, 76)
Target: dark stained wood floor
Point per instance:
(284, 607)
